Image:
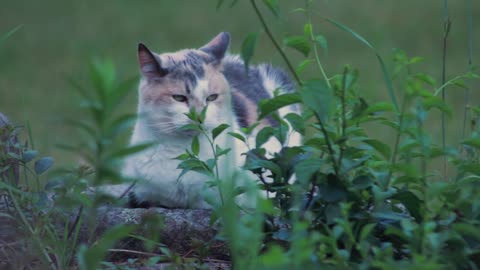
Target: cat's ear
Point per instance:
(218, 45)
(150, 65)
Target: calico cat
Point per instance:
(171, 85)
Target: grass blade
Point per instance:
(386, 75)
(8, 34)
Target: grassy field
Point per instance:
(59, 38)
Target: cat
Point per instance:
(173, 83)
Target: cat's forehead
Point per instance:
(187, 60)
(189, 65)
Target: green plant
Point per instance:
(358, 202)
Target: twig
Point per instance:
(344, 115)
(150, 254)
(275, 43)
(134, 252)
(331, 152)
(393, 159)
(310, 195)
(127, 190)
(75, 223)
(188, 253)
(446, 30)
(315, 47)
(470, 62)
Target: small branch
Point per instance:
(331, 152)
(446, 29)
(275, 43)
(310, 194)
(75, 223)
(344, 114)
(127, 190)
(134, 252)
(393, 159)
(470, 62)
(315, 47)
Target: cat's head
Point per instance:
(174, 83)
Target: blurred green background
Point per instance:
(59, 38)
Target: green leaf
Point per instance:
(307, 30)
(103, 75)
(43, 164)
(194, 165)
(183, 156)
(273, 6)
(218, 130)
(248, 48)
(274, 258)
(237, 136)
(366, 231)
(193, 127)
(332, 193)
(380, 146)
(301, 67)
(411, 202)
(264, 135)
(253, 164)
(436, 102)
(195, 146)
(473, 142)
(380, 107)
(268, 106)
(297, 122)
(220, 151)
(467, 230)
(322, 42)
(362, 182)
(318, 97)
(305, 169)
(299, 43)
(126, 151)
(248, 130)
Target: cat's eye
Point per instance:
(180, 98)
(212, 97)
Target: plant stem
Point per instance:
(275, 43)
(470, 62)
(344, 114)
(393, 159)
(315, 47)
(217, 177)
(331, 152)
(446, 30)
(75, 223)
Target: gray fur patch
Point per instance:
(252, 85)
(189, 70)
